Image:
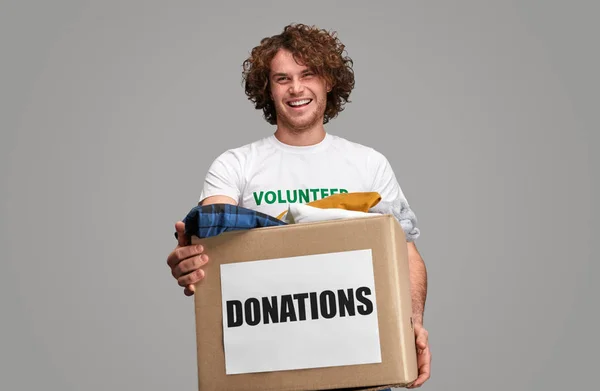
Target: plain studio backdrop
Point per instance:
(112, 111)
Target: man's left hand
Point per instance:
(423, 356)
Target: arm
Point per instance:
(418, 282)
(418, 287)
(221, 185)
(218, 199)
(386, 184)
(185, 260)
(388, 187)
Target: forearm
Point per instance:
(418, 282)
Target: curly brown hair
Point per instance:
(318, 49)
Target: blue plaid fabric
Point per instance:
(211, 220)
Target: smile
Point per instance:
(299, 103)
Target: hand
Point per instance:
(186, 261)
(423, 356)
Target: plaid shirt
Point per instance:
(211, 220)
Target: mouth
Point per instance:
(299, 103)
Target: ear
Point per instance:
(328, 86)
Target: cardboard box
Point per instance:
(297, 307)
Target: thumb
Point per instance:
(182, 240)
(422, 337)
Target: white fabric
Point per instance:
(300, 213)
(402, 213)
(267, 175)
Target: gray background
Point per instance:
(112, 111)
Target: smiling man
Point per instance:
(299, 95)
(300, 79)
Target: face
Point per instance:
(300, 96)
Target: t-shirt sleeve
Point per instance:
(393, 200)
(384, 180)
(224, 177)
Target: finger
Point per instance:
(189, 290)
(189, 265)
(181, 253)
(424, 364)
(423, 377)
(182, 239)
(191, 278)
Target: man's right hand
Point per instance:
(186, 261)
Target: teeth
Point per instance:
(299, 102)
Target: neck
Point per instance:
(300, 138)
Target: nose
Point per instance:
(296, 87)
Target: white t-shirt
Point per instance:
(266, 175)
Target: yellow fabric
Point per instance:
(357, 201)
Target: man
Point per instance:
(300, 80)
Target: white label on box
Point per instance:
(300, 312)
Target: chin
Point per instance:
(303, 123)
(301, 126)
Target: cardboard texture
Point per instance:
(380, 233)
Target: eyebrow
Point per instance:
(285, 74)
